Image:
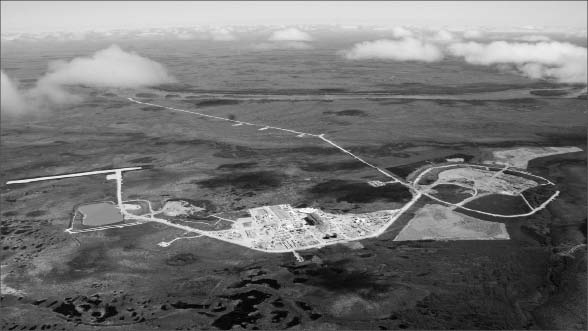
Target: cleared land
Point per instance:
(520, 157)
(441, 223)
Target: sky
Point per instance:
(70, 16)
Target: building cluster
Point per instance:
(283, 228)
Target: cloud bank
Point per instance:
(401, 32)
(290, 38)
(536, 57)
(443, 36)
(408, 49)
(290, 34)
(110, 67)
(564, 62)
(222, 35)
(12, 102)
(473, 34)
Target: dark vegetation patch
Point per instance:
(295, 321)
(10, 213)
(572, 136)
(184, 305)
(279, 315)
(151, 108)
(420, 88)
(67, 309)
(520, 101)
(225, 150)
(360, 192)
(499, 204)
(255, 180)
(263, 281)
(146, 95)
(174, 87)
(213, 102)
(278, 303)
(308, 309)
(112, 104)
(450, 102)
(561, 161)
(450, 193)
(236, 166)
(310, 150)
(332, 166)
(89, 260)
(171, 96)
(456, 310)
(338, 277)
(36, 213)
(303, 305)
(398, 147)
(347, 112)
(245, 311)
(550, 93)
(538, 194)
(146, 159)
(399, 101)
(299, 280)
(181, 259)
(100, 309)
(522, 104)
(382, 89)
(332, 90)
(33, 166)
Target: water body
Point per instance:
(103, 213)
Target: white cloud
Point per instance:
(408, 49)
(563, 62)
(183, 34)
(473, 34)
(530, 27)
(222, 35)
(442, 36)
(290, 34)
(12, 102)
(110, 67)
(401, 32)
(288, 38)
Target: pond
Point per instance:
(102, 213)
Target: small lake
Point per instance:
(102, 213)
